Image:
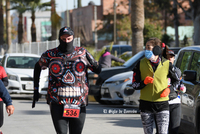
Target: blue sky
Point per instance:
(62, 4)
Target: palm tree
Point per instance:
(53, 27)
(137, 25)
(8, 23)
(21, 7)
(1, 23)
(34, 5)
(55, 21)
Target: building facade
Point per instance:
(82, 20)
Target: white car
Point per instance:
(112, 90)
(19, 68)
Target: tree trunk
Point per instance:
(1, 23)
(137, 25)
(33, 28)
(53, 24)
(196, 22)
(176, 23)
(79, 4)
(165, 19)
(196, 35)
(20, 29)
(8, 23)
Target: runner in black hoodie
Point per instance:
(68, 82)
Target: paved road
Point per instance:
(100, 119)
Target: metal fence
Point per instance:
(33, 47)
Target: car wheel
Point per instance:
(121, 102)
(40, 95)
(197, 130)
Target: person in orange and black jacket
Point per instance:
(4, 78)
(151, 77)
(68, 89)
(5, 97)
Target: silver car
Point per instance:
(131, 96)
(19, 68)
(112, 90)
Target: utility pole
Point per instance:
(114, 21)
(95, 27)
(74, 4)
(68, 18)
(176, 23)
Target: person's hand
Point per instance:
(165, 93)
(10, 109)
(148, 80)
(35, 96)
(91, 60)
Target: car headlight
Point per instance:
(122, 81)
(12, 77)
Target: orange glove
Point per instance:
(148, 80)
(165, 93)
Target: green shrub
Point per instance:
(151, 30)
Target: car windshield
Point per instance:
(21, 62)
(134, 59)
(121, 50)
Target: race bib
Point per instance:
(72, 111)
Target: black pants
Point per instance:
(1, 113)
(62, 124)
(175, 118)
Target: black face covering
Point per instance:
(157, 50)
(66, 47)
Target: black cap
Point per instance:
(171, 52)
(66, 30)
(107, 50)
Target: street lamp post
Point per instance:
(114, 21)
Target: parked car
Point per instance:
(119, 49)
(112, 90)
(131, 97)
(96, 81)
(19, 68)
(188, 60)
(1, 56)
